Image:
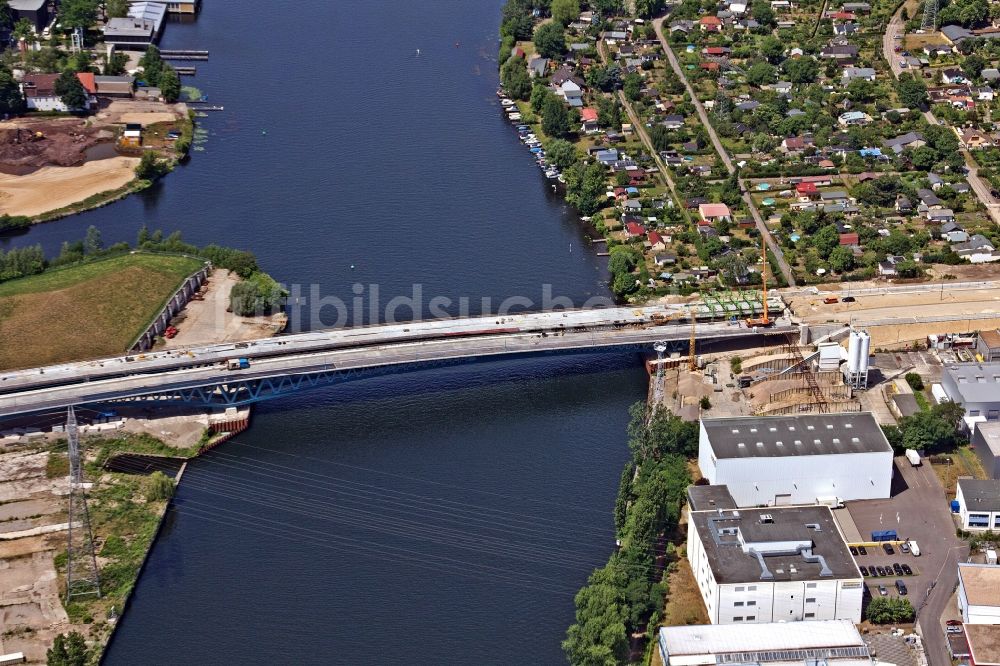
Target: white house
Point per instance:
(780, 564)
(40, 95)
(797, 459)
(979, 504)
(571, 92)
(979, 593)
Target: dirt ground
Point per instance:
(54, 187)
(31, 612)
(123, 111)
(208, 322)
(38, 142)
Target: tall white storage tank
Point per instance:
(853, 351)
(865, 351)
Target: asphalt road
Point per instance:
(786, 271)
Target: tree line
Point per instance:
(627, 594)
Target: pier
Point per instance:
(186, 71)
(174, 54)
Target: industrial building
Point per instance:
(36, 11)
(977, 387)
(834, 643)
(988, 345)
(801, 459)
(986, 443)
(781, 564)
(978, 504)
(979, 593)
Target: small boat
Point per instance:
(536, 150)
(506, 101)
(561, 179)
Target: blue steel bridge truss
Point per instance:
(237, 392)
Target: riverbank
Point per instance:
(53, 167)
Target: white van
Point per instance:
(914, 549)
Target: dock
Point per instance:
(175, 54)
(194, 106)
(186, 71)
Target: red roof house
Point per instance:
(806, 189)
(588, 114)
(634, 230)
(849, 239)
(710, 24)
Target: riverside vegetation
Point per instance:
(627, 595)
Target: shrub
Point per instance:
(705, 403)
(915, 381)
(158, 486)
(889, 610)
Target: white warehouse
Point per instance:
(782, 564)
(781, 460)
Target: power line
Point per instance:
(82, 578)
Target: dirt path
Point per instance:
(51, 188)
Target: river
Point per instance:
(441, 517)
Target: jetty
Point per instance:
(186, 71)
(176, 54)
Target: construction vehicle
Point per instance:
(238, 364)
(756, 322)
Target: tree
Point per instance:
(915, 381)
(759, 74)
(772, 48)
(826, 239)
(152, 65)
(92, 242)
(115, 64)
(973, 65)
(841, 259)
(170, 84)
(912, 91)
(116, 8)
(603, 78)
(923, 158)
(565, 11)
(78, 13)
(763, 14)
(555, 119)
(149, 166)
(514, 78)
(550, 40)
(929, 429)
(649, 8)
(632, 86)
(560, 152)
(801, 70)
(11, 99)
(861, 90)
(70, 90)
(889, 610)
(255, 296)
(598, 637)
(24, 29)
(68, 650)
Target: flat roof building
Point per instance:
(979, 593)
(833, 642)
(780, 564)
(986, 443)
(988, 345)
(977, 387)
(801, 459)
(978, 504)
(984, 644)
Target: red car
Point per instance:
(170, 332)
(954, 623)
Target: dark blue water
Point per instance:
(442, 517)
(396, 164)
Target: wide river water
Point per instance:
(441, 517)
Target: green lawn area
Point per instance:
(94, 309)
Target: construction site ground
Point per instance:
(208, 321)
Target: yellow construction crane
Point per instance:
(692, 361)
(765, 320)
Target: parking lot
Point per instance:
(918, 511)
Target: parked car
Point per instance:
(854, 551)
(887, 547)
(862, 550)
(907, 571)
(901, 588)
(904, 547)
(882, 591)
(897, 568)
(848, 299)
(880, 571)
(954, 623)
(955, 629)
(864, 571)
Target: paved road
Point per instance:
(981, 187)
(786, 271)
(82, 389)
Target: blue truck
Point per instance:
(884, 535)
(238, 364)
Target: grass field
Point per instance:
(95, 309)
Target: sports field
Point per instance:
(95, 309)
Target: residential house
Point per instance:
(972, 138)
(953, 75)
(853, 73)
(571, 92)
(782, 87)
(978, 250)
(834, 196)
(714, 212)
(940, 215)
(904, 141)
(845, 29)
(673, 122)
(857, 7)
(40, 94)
(114, 86)
(849, 239)
(854, 118)
(839, 52)
(903, 205)
(538, 66)
(634, 230)
(710, 24)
